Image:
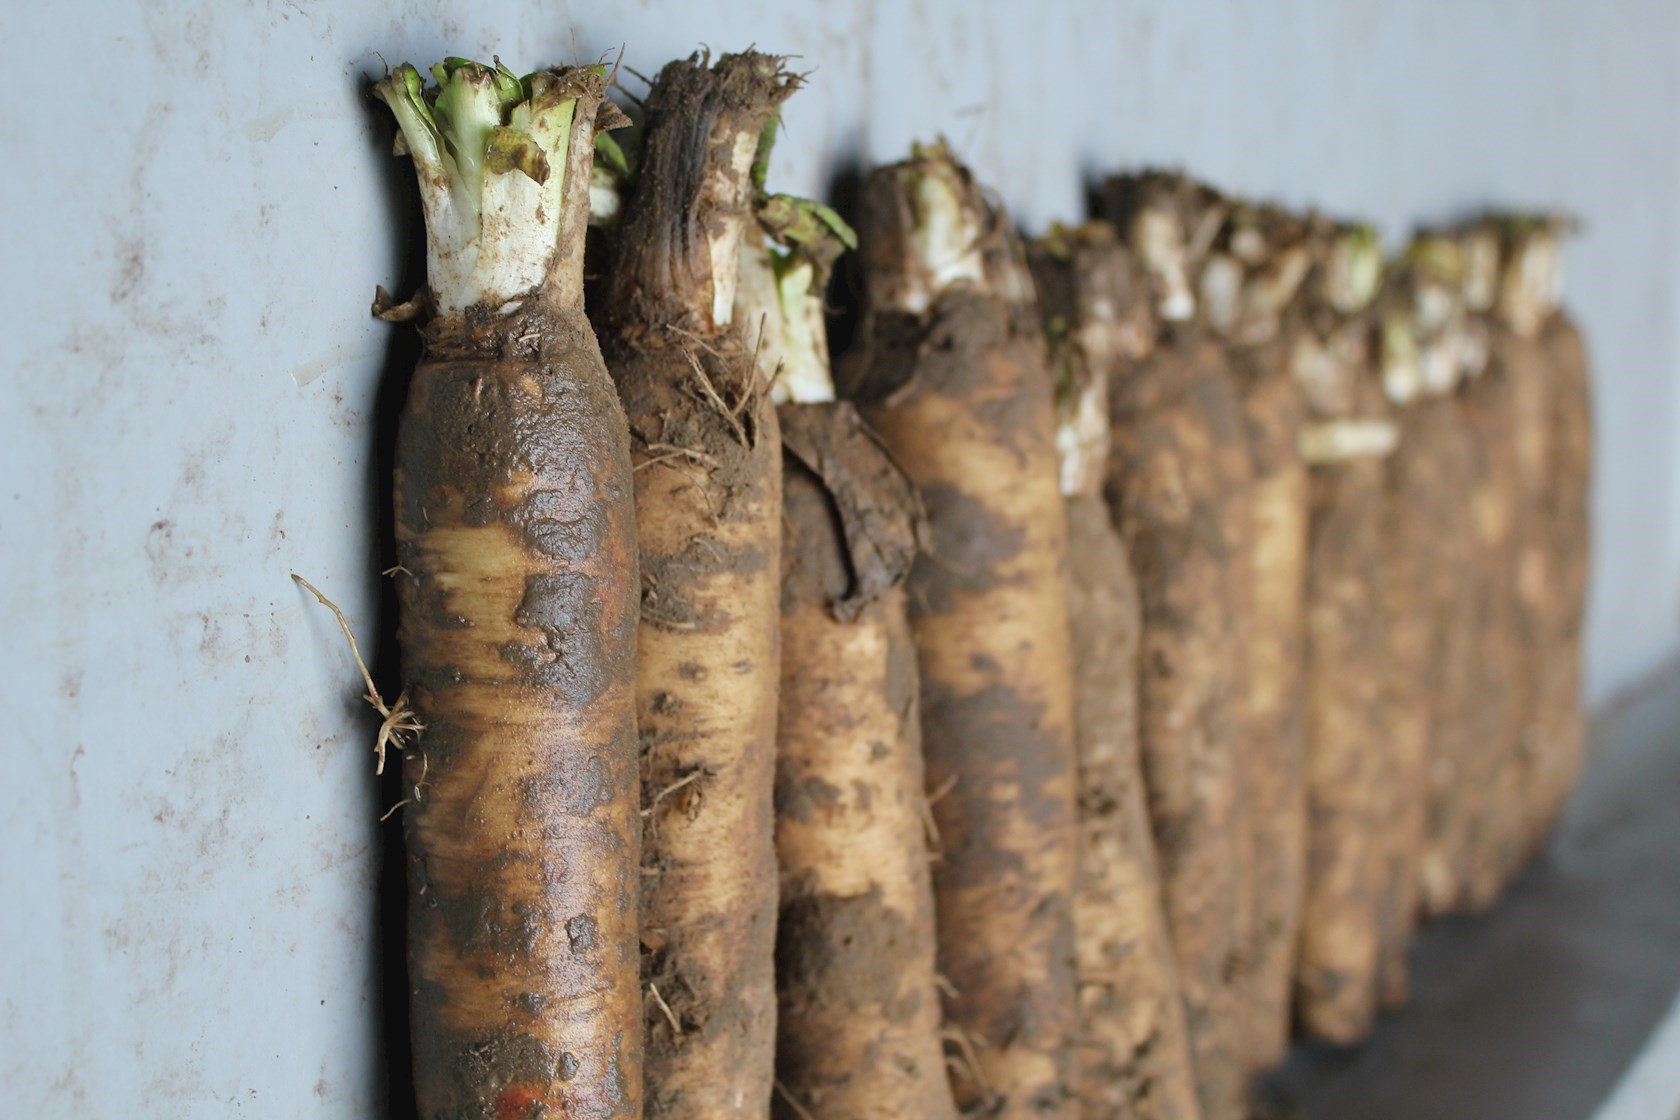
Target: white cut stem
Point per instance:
(1337, 441)
(942, 245)
(1221, 292)
(946, 237)
(805, 377)
(1473, 348)
(1354, 271)
(1326, 381)
(1531, 288)
(491, 236)
(1248, 245)
(1269, 290)
(784, 324)
(758, 310)
(1082, 436)
(1440, 363)
(521, 223)
(1159, 239)
(731, 189)
(1402, 371)
(1479, 250)
(606, 201)
(1436, 306)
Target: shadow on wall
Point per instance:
(402, 353)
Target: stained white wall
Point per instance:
(198, 202)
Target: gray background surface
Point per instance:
(198, 203)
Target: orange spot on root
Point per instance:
(523, 1102)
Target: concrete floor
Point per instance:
(1536, 1010)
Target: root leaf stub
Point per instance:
(677, 261)
(879, 513)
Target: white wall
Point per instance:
(198, 203)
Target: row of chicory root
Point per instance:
(1160, 618)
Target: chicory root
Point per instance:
(1248, 287)
(707, 460)
(1550, 423)
(1568, 533)
(1132, 1053)
(858, 1017)
(1426, 589)
(517, 579)
(1177, 487)
(951, 369)
(1507, 408)
(1349, 765)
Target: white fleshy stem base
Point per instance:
(1158, 237)
(1337, 441)
(1082, 438)
(784, 325)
